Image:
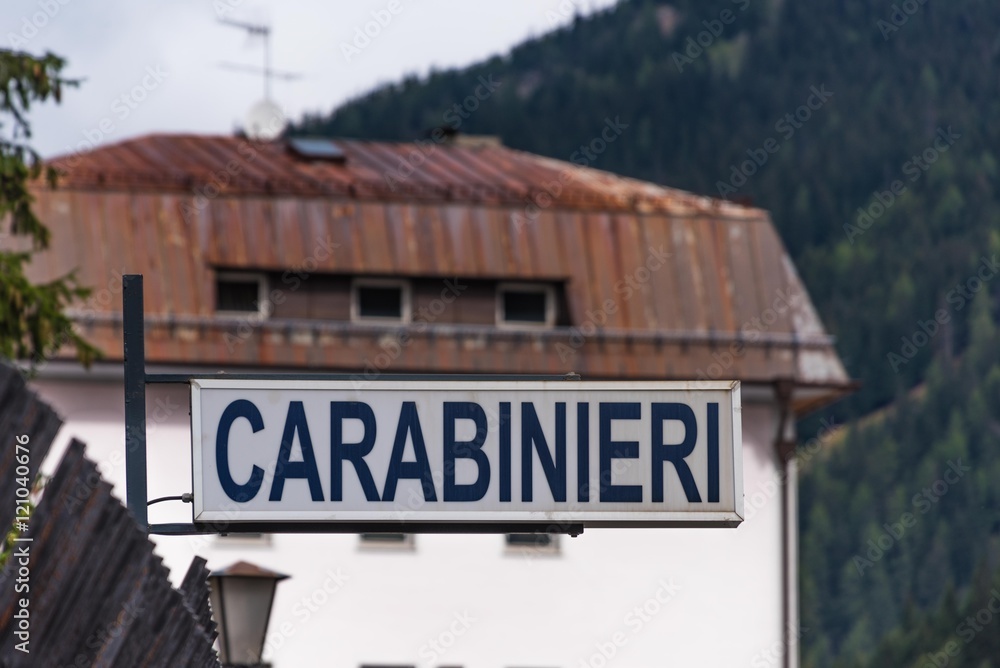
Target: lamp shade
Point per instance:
(241, 597)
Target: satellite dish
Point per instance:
(265, 121)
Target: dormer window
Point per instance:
(380, 300)
(526, 305)
(240, 293)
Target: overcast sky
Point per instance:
(154, 66)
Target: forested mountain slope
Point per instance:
(868, 129)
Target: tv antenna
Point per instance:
(264, 31)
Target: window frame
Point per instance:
(553, 549)
(550, 305)
(405, 306)
(408, 544)
(243, 540)
(243, 277)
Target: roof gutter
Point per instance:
(784, 445)
(489, 332)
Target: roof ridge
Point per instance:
(422, 170)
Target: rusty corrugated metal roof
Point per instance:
(424, 171)
(177, 207)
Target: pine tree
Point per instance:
(33, 324)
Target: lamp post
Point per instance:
(241, 597)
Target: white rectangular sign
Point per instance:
(596, 453)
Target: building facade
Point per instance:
(452, 256)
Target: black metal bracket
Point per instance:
(136, 493)
(223, 528)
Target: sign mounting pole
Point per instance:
(134, 348)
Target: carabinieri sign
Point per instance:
(591, 453)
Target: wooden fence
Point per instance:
(96, 593)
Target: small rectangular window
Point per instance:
(546, 543)
(239, 293)
(384, 300)
(243, 540)
(526, 305)
(400, 541)
(380, 302)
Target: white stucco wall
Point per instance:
(651, 597)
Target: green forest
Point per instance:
(863, 126)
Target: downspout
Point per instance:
(784, 444)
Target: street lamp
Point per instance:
(241, 597)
